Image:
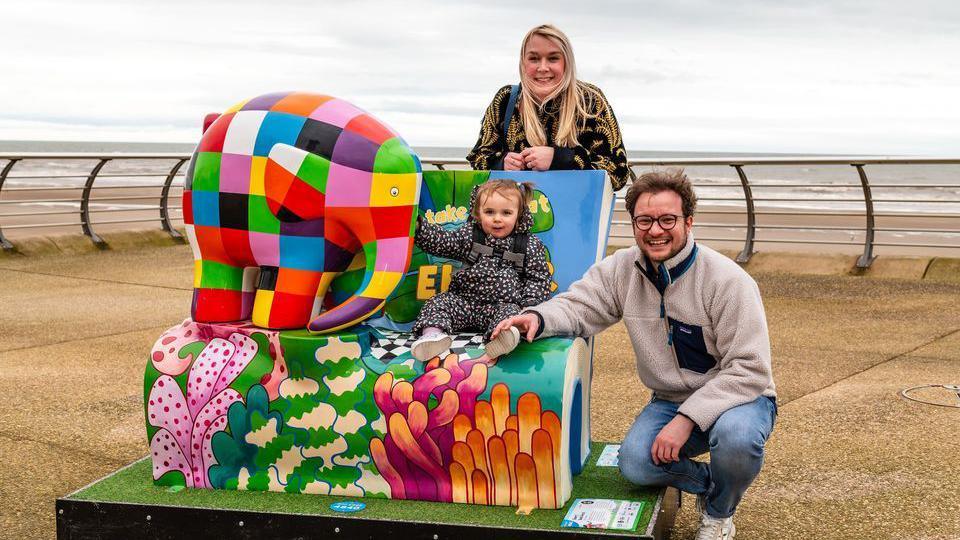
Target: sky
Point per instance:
(838, 77)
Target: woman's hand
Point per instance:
(538, 158)
(513, 162)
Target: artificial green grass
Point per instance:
(134, 485)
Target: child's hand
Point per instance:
(538, 158)
(526, 323)
(513, 162)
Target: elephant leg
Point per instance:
(251, 276)
(285, 297)
(217, 292)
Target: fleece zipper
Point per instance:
(670, 328)
(661, 282)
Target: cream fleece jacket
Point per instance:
(702, 343)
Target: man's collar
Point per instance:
(670, 270)
(674, 261)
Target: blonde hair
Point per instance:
(523, 191)
(571, 93)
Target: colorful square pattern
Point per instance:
(294, 184)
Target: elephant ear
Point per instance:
(294, 183)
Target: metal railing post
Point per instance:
(751, 231)
(867, 258)
(164, 200)
(85, 205)
(3, 177)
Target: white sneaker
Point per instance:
(712, 528)
(505, 342)
(430, 346)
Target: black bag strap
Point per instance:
(477, 247)
(519, 253)
(516, 256)
(508, 115)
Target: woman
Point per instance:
(558, 122)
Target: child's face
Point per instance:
(498, 214)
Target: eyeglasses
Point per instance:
(666, 222)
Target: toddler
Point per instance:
(505, 270)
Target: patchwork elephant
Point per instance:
(281, 193)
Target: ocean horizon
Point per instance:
(832, 187)
(446, 152)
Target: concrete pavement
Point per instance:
(849, 458)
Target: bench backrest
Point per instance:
(571, 210)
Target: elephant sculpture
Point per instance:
(281, 193)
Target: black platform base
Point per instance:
(123, 521)
(128, 505)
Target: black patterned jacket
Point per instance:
(491, 279)
(601, 145)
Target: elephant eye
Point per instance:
(394, 191)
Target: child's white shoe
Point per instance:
(505, 342)
(427, 347)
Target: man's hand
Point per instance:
(538, 158)
(513, 162)
(666, 447)
(526, 323)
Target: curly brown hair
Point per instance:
(508, 188)
(674, 180)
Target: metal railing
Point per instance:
(87, 189)
(167, 168)
(869, 213)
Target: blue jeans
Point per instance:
(735, 442)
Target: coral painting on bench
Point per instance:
(312, 416)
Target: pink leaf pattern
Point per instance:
(204, 422)
(205, 456)
(167, 455)
(187, 423)
(245, 348)
(205, 372)
(167, 409)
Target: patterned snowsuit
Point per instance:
(483, 294)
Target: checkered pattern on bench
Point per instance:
(390, 345)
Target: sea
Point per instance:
(933, 189)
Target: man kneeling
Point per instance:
(699, 332)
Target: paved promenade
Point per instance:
(849, 459)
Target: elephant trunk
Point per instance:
(386, 236)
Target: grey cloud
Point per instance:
(631, 74)
(425, 106)
(178, 121)
(431, 64)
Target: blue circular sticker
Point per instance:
(347, 506)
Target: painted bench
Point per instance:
(236, 406)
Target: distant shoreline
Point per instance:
(426, 151)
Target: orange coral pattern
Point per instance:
(463, 449)
(510, 459)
